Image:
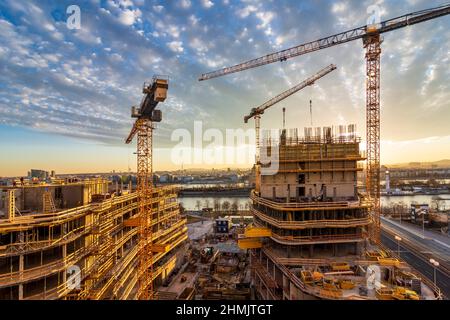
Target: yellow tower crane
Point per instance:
(146, 114)
(371, 36)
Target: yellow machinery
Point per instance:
(384, 294)
(346, 284)
(307, 277)
(401, 293)
(317, 276)
(257, 232)
(389, 262)
(329, 283)
(249, 243)
(375, 255)
(252, 237)
(340, 266)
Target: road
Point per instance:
(417, 250)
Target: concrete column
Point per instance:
(273, 272)
(64, 251)
(121, 248)
(21, 267)
(11, 205)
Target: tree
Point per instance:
(225, 206)
(216, 204)
(234, 206)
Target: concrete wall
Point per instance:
(339, 184)
(29, 199)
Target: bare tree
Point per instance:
(234, 206)
(216, 204)
(226, 206)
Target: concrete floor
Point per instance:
(199, 229)
(177, 286)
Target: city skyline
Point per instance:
(66, 94)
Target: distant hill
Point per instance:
(413, 165)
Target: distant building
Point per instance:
(420, 214)
(39, 174)
(222, 225)
(388, 183)
(233, 177)
(166, 178)
(186, 179)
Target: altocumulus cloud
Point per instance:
(81, 83)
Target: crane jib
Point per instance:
(340, 38)
(308, 82)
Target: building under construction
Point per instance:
(74, 240)
(311, 226)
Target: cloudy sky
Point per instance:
(66, 93)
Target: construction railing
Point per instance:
(302, 206)
(296, 225)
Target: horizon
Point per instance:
(399, 165)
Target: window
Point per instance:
(301, 178)
(58, 193)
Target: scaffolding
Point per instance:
(38, 249)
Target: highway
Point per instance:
(417, 250)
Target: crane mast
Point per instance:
(146, 114)
(144, 176)
(371, 36)
(372, 44)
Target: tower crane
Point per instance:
(371, 37)
(146, 114)
(257, 112)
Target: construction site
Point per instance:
(314, 233)
(310, 235)
(80, 227)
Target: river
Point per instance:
(196, 203)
